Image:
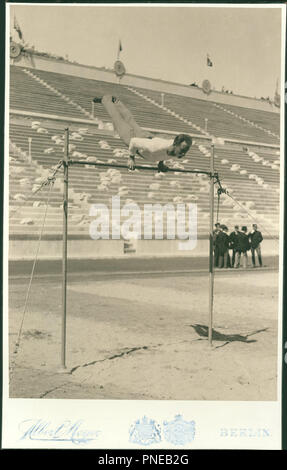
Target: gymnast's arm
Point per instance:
(134, 149)
(132, 154)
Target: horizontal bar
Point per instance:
(138, 167)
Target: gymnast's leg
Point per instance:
(123, 121)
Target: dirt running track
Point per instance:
(136, 337)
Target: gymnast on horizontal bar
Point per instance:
(140, 142)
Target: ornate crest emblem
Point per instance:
(15, 50)
(178, 431)
(119, 68)
(145, 432)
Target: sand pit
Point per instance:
(145, 338)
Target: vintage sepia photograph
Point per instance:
(144, 209)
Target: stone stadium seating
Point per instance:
(30, 95)
(268, 120)
(82, 91)
(219, 122)
(249, 172)
(259, 126)
(89, 185)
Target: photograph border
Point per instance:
(282, 349)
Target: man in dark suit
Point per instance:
(215, 248)
(243, 247)
(222, 244)
(234, 243)
(255, 238)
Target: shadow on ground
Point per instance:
(202, 330)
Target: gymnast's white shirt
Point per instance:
(153, 150)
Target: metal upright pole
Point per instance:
(211, 263)
(93, 109)
(64, 260)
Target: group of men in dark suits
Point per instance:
(240, 242)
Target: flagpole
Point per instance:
(211, 240)
(118, 57)
(119, 49)
(63, 367)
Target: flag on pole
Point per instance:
(209, 62)
(120, 48)
(17, 28)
